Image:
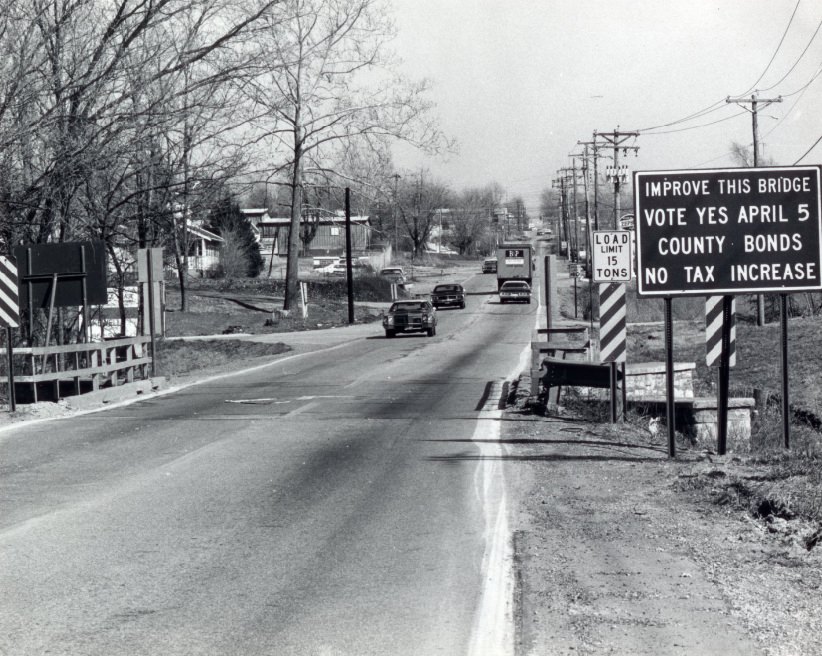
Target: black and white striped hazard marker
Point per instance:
(713, 331)
(612, 333)
(9, 299)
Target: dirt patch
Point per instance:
(621, 550)
(181, 357)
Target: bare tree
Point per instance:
(471, 219)
(333, 81)
(742, 155)
(418, 203)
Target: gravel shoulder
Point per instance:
(616, 554)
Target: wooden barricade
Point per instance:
(543, 343)
(100, 362)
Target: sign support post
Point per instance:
(348, 261)
(724, 378)
(576, 277)
(669, 376)
(786, 405)
(10, 365)
(151, 326)
(547, 265)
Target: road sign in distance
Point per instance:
(728, 231)
(611, 256)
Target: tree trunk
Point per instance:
(292, 266)
(182, 269)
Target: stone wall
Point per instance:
(646, 380)
(704, 418)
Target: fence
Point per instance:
(100, 363)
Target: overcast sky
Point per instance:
(518, 82)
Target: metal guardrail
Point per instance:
(100, 362)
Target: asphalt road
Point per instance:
(328, 504)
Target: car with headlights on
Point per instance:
(515, 290)
(414, 316)
(449, 295)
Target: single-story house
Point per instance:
(203, 249)
(329, 238)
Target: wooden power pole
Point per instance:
(755, 105)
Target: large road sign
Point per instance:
(611, 256)
(79, 267)
(728, 231)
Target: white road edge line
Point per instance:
(493, 630)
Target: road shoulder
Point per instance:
(614, 556)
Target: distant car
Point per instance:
(338, 269)
(416, 316)
(563, 247)
(448, 296)
(515, 290)
(394, 274)
(489, 265)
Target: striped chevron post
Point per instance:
(9, 299)
(713, 331)
(612, 330)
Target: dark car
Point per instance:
(489, 265)
(515, 290)
(448, 296)
(417, 316)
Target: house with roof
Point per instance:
(203, 249)
(328, 233)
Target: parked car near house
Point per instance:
(515, 290)
(394, 274)
(416, 316)
(449, 295)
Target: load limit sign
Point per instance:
(728, 231)
(611, 256)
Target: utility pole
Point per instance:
(584, 157)
(568, 174)
(618, 174)
(755, 103)
(563, 214)
(595, 146)
(396, 177)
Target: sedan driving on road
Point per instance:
(448, 296)
(515, 290)
(410, 317)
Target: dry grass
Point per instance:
(175, 358)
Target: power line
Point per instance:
(718, 104)
(695, 127)
(798, 59)
(815, 143)
(698, 114)
(784, 34)
(806, 85)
